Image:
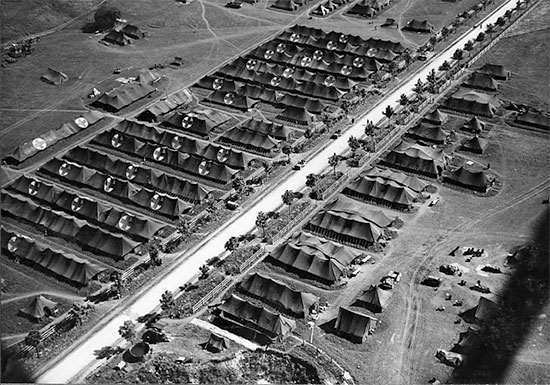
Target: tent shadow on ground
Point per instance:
(329, 327)
(107, 352)
(525, 295)
(13, 370)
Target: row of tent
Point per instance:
(534, 119)
(418, 159)
(289, 5)
(232, 158)
(194, 165)
(96, 213)
(66, 226)
(328, 7)
(250, 140)
(30, 148)
(472, 103)
(127, 192)
(124, 35)
(65, 266)
(313, 257)
(165, 105)
(138, 174)
(250, 69)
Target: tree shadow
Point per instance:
(525, 295)
(12, 369)
(107, 352)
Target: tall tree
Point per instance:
(105, 17)
(287, 150)
(167, 303)
(431, 78)
(403, 100)
(34, 339)
(469, 45)
(353, 143)
(288, 198)
(232, 244)
(311, 179)
(388, 112)
(458, 54)
(333, 161)
(418, 87)
(369, 128)
(480, 37)
(445, 66)
(238, 184)
(128, 331)
(261, 221)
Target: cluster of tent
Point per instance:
(328, 7)
(64, 266)
(98, 214)
(367, 8)
(421, 26)
(470, 340)
(345, 220)
(412, 182)
(194, 123)
(276, 131)
(123, 96)
(278, 295)
(195, 165)
(314, 258)
(30, 148)
(257, 319)
(354, 325)
(165, 105)
(472, 103)
(289, 5)
(128, 192)
(471, 179)
(418, 159)
(69, 227)
(124, 35)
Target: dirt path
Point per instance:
(34, 293)
(407, 5)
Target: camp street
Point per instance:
(81, 359)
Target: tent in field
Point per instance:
(132, 31)
(363, 9)
(117, 37)
(483, 312)
(285, 5)
(467, 342)
(474, 125)
(278, 295)
(473, 103)
(243, 313)
(374, 298)
(428, 133)
(249, 140)
(494, 70)
(416, 158)
(381, 191)
(123, 96)
(39, 308)
(54, 77)
(534, 119)
(350, 229)
(475, 145)
(354, 325)
(473, 180)
(435, 117)
(422, 26)
(412, 182)
(481, 81)
(216, 344)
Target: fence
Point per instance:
(212, 293)
(251, 260)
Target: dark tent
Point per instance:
(325, 248)
(112, 245)
(473, 180)
(349, 206)
(354, 325)
(216, 343)
(481, 81)
(123, 96)
(165, 105)
(278, 295)
(472, 103)
(285, 5)
(190, 191)
(483, 312)
(494, 70)
(419, 26)
(295, 115)
(350, 229)
(54, 77)
(243, 313)
(216, 84)
(534, 119)
(474, 125)
(132, 31)
(416, 158)
(189, 122)
(467, 342)
(414, 183)
(213, 171)
(231, 100)
(39, 308)
(232, 158)
(37, 189)
(435, 117)
(325, 8)
(382, 191)
(313, 106)
(117, 37)
(249, 140)
(427, 133)
(362, 9)
(275, 130)
(475, 145)
(375, 299)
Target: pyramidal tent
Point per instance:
(467, 341)
(475, 145)
(414, 183)
(435, 117)
(495, 70)
(483, 312)
(481, 81)
(354, 325)
(474, 125)
(473, 180)
(54, 77)
(39, 308)
(427, 133)
(375, 299)
(285, 5)
(216, 343)
(422, 26)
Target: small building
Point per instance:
(133, 31)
